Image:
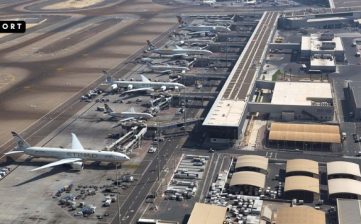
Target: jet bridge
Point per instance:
(128, 140)
(136, 141)
(121, 140)
(164, 126)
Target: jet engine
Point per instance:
(77, 165)
(114, 86)
(163, 88)
(176, 88)
(130, 87)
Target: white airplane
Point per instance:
(167, 69)
(178, 51)
(74, 156)
(127, 115)
(216, 20)
(208, 28)
(201, 34)
(141, 86)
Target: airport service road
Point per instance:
(321, 157)
(130, 208)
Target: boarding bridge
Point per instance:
(121, 140)
(136, 141)
(128, 140)
(196, 95)
(239, 44)
(164, 126)
(201, 77)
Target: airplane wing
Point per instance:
(177, 47)
(13, 152)
(138, 90)
(179, 55)
(123, 120)
(57, 163)
(166, 71)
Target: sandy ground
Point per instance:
(73, 4)
(142, 6)
(62, 80)
(10, 76)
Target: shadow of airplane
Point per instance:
(51, 172)
(59, 169)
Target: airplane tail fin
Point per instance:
(107, 108)
(192, 62)
(75, 143)
(108, 78)
(150, 45)
(144, 79)
(21, 144)
(132, 110)
(180, 19)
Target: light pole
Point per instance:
(117, 184)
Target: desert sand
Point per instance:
(73, 4)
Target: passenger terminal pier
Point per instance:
(229, 110)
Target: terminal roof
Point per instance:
(355, 88)
(300, 215)
(207, 214)
(349, 211)
(300, 93)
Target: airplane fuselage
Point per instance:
(183, 51)
(165, 67)
(85, 155)
(207, 28)
(135, 115)
(155, 85)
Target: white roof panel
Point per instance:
(299, 93)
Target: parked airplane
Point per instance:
(178, 51)
(74, 156)
(217, 20)
(201, 34)
(208, 28)
(127, 115)
(167, 69)
(144, 85)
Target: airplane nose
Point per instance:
(126, 157)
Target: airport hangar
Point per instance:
(344, 180)
(302, 180)
(231, 107)
(250, 174)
